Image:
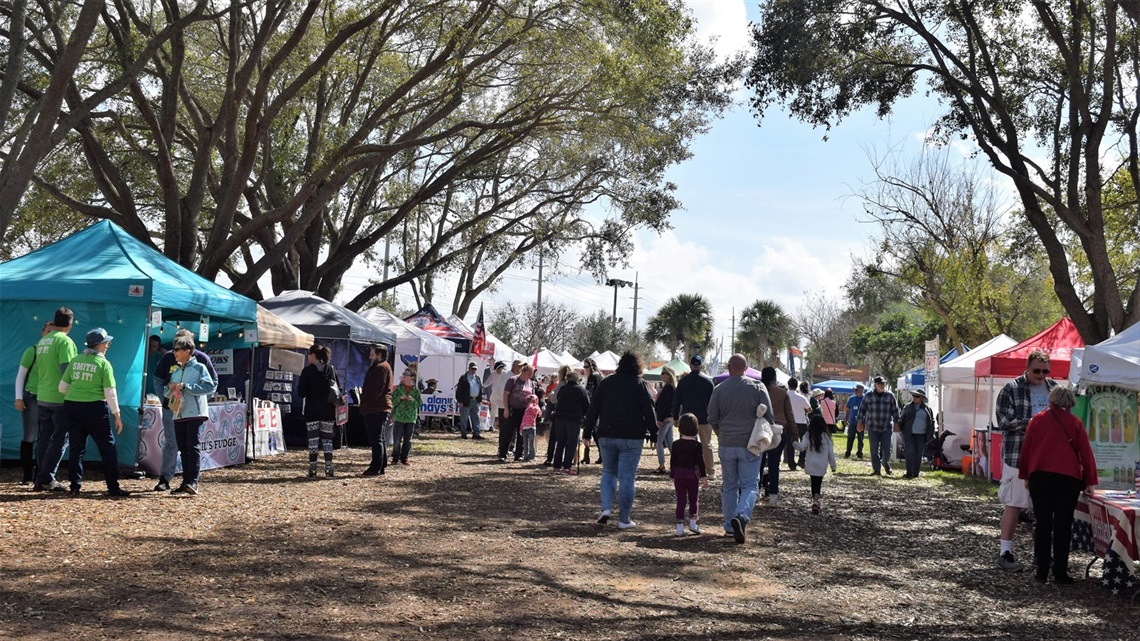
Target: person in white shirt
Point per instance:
(801, 408)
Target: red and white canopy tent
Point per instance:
(1058, 341)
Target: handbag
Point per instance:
(336, 399)
(765, 436)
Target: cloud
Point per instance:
(781, 269)
(725, 20)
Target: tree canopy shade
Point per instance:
(289, 138)
(1023, 79)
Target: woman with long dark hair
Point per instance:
(316, 380)
(621, 415)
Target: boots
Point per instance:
(28, 460)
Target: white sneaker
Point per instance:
(773, 499)
(680, 530)
(625, 525)
(693, 527)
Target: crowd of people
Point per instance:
(67, 396)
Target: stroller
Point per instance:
(934, 454)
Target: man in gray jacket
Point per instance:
(732, 414)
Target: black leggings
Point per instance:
(816, 485)
(1054, 499)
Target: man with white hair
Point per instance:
(732, 414)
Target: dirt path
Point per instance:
(460, 547)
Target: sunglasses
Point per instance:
(1040, 371)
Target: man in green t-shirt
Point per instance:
(88, 386)
(53, 353)
(27, 382)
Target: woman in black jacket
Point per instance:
(621, 413)
(573, 403)
(664, 409)
(319, 413)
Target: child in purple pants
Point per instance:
(687, 469)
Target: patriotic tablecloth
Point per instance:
(1107, 523)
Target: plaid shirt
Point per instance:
(879, 412)
(1014, 409)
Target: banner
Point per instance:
(933, 354)
(1112, 429)
(223, 360)
(268, 432)
(438, 405)
(828, 371)
(221, 438)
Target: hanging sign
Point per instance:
(204, 329)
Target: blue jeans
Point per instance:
(50, 442)
(770, 466)
(169, 446)
(880, 449)
(620, 458)
(740, 472)
(914, 444)
(664, 440)
(469, 416)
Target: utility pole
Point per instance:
(616, 283)
(538, 311)
(732, 345)
(635, 288)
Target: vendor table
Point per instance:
(221, 437)
(1107, 523)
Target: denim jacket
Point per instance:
(196, 386)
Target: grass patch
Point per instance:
(976, 485)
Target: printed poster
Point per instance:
(1112, 429)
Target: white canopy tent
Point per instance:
(606, 361)
(1115, 361)
(547, 362)
(965, 405)
(409, 338)
(568, 358)
(434, 356)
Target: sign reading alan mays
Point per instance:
(828, 371)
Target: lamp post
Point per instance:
(616, 283)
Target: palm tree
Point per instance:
(683, 322)
(765, 329)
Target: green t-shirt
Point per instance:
(88, 374)
(27, 361)
(52, 351)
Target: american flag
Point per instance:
(479, 345)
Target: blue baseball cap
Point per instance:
(98, 336)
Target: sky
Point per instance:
(769, 211)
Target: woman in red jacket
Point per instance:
(1057, 464)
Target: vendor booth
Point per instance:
(432, 357)
(112, 280)
(445, 370)
(967, 408)
(992, 372)
(346, 333)
(1109, 375)
(1108, 519)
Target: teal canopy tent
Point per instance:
(111, 280)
